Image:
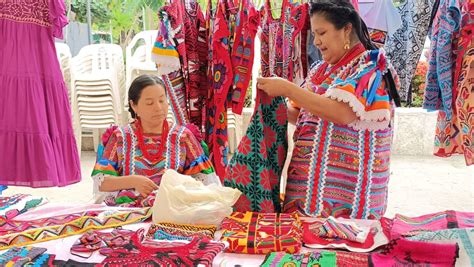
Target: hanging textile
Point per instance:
(439, 81)
(180, 52)
(262, 233)
(455, 135)
(36, 135)
(382, 19)
(256, 167)
(231, 37)
(404, 48)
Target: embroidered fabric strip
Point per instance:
(172, 231)
(75, 227)
(262, 233)
(12, 206)
(281, 259)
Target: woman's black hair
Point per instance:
(342, 12)
(137, 86)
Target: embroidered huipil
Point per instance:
(180, 52)
(439, 80)
(232, 30)
(122, 156)
(455, 135)
(257, 165)
(343, 170)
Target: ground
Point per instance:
(418, 185)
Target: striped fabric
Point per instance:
(262, 233)
(343, 170)
(173, 231)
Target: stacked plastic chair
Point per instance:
(98, 86)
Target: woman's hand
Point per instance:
(143, 185)
(274, 86)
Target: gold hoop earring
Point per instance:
(347, 46)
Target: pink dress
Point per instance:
(37, 142)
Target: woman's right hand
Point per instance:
(143, 185)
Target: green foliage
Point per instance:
(100, 13)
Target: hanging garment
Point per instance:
(180, 53)
(401, 252)
(382, 19)
(439, 80)
(36, 135)
(404, 48)
(247, 25)
(256, 167)
(123, 155)
(281, 259)
(463, 237)
(343, 170)
(221, 77)
(282, 40)
(262, 233)
(455, 135)
(139, 253)
(78, 226)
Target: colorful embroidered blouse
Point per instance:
(343, 170)
(122, 156)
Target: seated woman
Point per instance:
(135, 156)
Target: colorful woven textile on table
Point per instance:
(173, 231)
(26, 256)
(256, 167)
(405, 46)
(334, 234)
(401, 252)
(16, 226)
(74, 227)
(403, 226)
(463, 237)
(162, 253)
(343, 170)
(15, 205)
(455, 136)
(282, 259)
(439, 80)
(262, 233)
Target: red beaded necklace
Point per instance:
(144, 147)
(318, 78)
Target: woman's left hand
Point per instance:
(273, 86)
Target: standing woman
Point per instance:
(340, 163)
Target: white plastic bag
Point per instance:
(182, 199)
